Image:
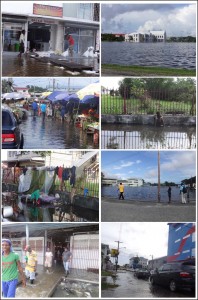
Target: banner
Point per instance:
(47, 10)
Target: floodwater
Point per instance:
(50, 213)
(53, 134)
(121, 136)
(129, 286)
(27, 66)
(169, 55)
(68, 288)
(146, 193)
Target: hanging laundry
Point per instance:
(60, 173)
(73, 176)
(24, 170)
(66, 174)
(56, 170)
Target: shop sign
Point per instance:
(43, 21)
(47, 10)
(114, 252)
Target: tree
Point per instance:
(6, 85)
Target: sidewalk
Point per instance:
(114, 210)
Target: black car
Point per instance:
(175, 275)
(12, 138)
(142, 274)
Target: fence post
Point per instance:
(124, 107)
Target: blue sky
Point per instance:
(138, 238)
(176, 19)
(175, 165)
(45, 81)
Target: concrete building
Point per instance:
(46, 26)
(126, 182)
(181, 241)
(156, 262)
(150, 37)
(138, 262)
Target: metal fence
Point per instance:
(140, 102)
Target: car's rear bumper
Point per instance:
(9, 146)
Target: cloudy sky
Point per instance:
(59, 81)
(176, 19)
(142, 239)
(175, 165)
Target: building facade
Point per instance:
(156, 263)
(46, 27)
(127, 182)
(149, 37)
(181, 241)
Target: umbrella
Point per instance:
(45, 94)
(90, 99)
(53, 95)
(14, 96)
(72, 98)
(91, 89)
(61, 96)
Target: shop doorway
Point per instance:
(39, 37)
(10, 36)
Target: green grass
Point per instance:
(105, 285)
(115, 105)
(106, 273)
(143, 71)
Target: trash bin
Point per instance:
(16, 47)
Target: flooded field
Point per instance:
(169, 55)
(27, 66)
(121, 136)
(52, 134)
(146, 193)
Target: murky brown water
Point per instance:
(121, 136)
(27, 66)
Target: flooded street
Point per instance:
(44, 283)
(27, 66)
(169, 55)
(146, 193)
(53, 134)
(129, 286)
(147, 137)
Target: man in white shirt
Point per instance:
(48, 260)
(21, 43)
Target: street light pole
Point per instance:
(158, 176)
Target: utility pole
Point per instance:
(53, 84)
(68, 88)
(159, 176)
(116, 260)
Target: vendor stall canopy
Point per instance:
(13, 96)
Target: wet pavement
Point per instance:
(129, 286)
(53, 134)
(147, 137)
(44, 282)
(114, 210)
(28, 66)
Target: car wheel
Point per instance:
(172, 286)
(152, 281)
(22, 142)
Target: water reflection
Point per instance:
(121, 136)
(52, 134)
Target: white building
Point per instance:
(149, 37)
(46, 26)
(142, 263)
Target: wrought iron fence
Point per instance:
(141, 101)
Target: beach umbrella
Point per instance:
(61, 96)
(72, 98)
(14, 96)
(91, 89)
(91, 100)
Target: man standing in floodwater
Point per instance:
(169, 194)
(43, 107)
(70, 40)
(31, 264)
(121, 190)
(66, 257)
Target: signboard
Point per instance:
(114, 252)
(43, 21)
(47, 10)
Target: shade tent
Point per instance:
(13, 96)
(61, 96)
(91, 89)
(72, 98)
(45, 94)
(90, 99)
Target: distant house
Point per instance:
(22, 90)
(150, 37)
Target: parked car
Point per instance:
(176, 275)
(142, 274)
(12, 138)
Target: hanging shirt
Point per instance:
(60, 173)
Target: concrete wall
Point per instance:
(148, 120)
